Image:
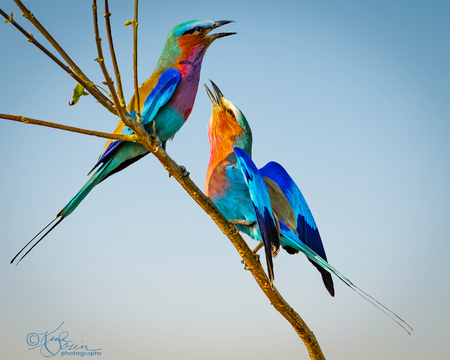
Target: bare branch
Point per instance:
(27, 120)
(121, 112)
(88, 86)
(135, 68)
(137, 127)
(85, 80)
(107, 15)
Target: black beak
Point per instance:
(217, 99)
(219, 24)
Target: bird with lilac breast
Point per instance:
(265, 203)
(166, 101)
(258, 217)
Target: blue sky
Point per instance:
(351, 97)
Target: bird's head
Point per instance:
(195, 33)
(188, 42)
(228, 126)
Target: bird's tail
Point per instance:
(291, 239)
(66, 211)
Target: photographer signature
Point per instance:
(52, 343)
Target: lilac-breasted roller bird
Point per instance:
(262, 218)
(265, 203)
(166, 101)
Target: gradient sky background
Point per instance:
(352, 97)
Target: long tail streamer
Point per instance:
(297, 244)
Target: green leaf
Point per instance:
(77, 93)
(129, 22)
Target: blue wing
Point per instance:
(306, 226)
(157, 98)
(160, 94)
(261, 203)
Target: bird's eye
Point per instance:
(197, 29)
(230, 112)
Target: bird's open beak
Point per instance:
(217, 99)
(217, 24)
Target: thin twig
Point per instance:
(86, 82)
(27, 120)
(101, 61)
(88, 86)
(136, 126)
(107, 16)
(135, 66)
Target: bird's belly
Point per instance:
(237, 205)
(167, 123)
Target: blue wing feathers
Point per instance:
(306, 226)
(269, 232)
(160, 94)
(290, 189)
(310, 236)
(261, 202)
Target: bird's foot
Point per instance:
(183, 171)
(236, 222)
(237, 229)
(241, 222)
(157, 142)
(256, 249)
(257, 257)
(155, 138)
(153, 135)
(246, 267)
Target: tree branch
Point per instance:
(135, 68)
(27, 120)
(101, 62)
(137, 127)
(30, 38)
(107, 15)
(81, 77)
